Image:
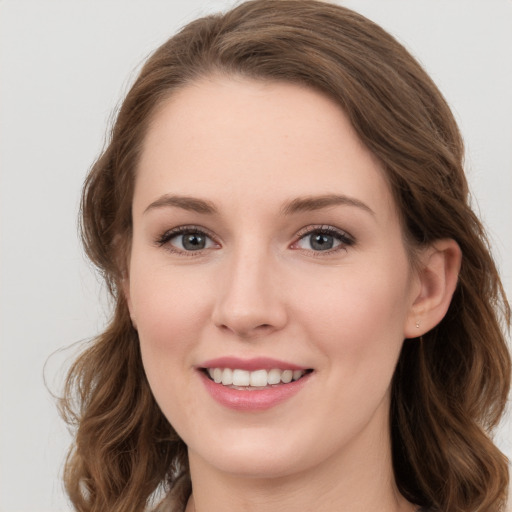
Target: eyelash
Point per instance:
(165, 238)
(345, 240)
(343, 237)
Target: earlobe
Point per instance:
(438, 274)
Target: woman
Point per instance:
(307, 313)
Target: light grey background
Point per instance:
(64, 65)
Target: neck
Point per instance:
(287, 498)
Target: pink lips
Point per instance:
(251, 400)
(258, 363)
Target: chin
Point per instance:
(260, 465)
(264, 453)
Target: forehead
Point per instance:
(240, 138)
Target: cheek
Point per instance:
(357, 317)
(169, 314)
(165, 298)
(357, 325)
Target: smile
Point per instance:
(258, 379)
(252, 385)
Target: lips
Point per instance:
(253, 384)
(256, 363)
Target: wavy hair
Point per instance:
(449, 389)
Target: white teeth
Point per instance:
(256, 379)
(227, 377)
(274, 376)
(287, 376)
(241, 378)
(217, 375)
(259, 378)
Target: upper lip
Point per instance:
(256, 363)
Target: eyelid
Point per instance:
(323, 227)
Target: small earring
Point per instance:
(417, 324)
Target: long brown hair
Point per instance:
(449, 389)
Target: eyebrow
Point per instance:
(312, 203)
(185, 202)
(297, 205)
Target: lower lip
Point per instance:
(253, 400)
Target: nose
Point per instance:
(250, 302)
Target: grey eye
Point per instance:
(191, 241)
(320, 241)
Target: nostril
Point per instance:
(246, 331)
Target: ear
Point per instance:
(437, 275)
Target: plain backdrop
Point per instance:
(64, 66)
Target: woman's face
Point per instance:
(266, 247)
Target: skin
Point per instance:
(259, 288)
